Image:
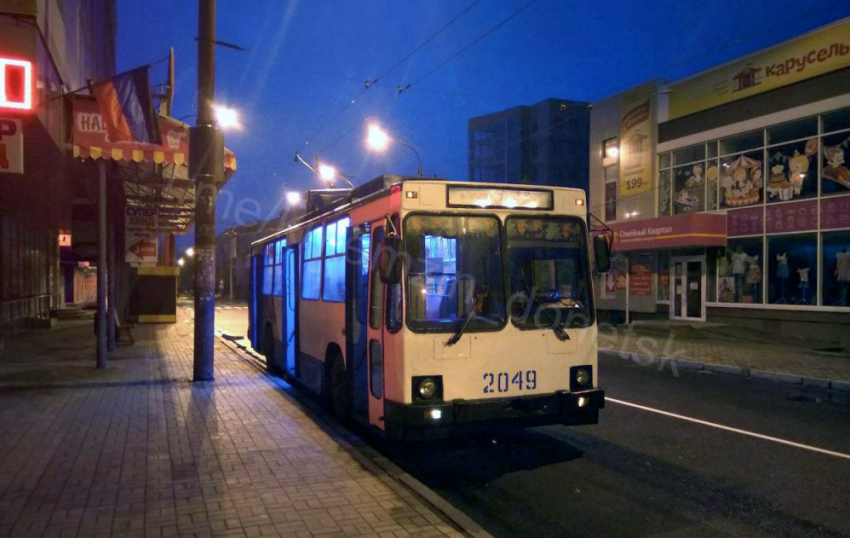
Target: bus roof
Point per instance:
(376, 188)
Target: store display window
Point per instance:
(689, 188)
(792, 169)
(836, 268)
(742, 179)
(665, 193)
(792, 269)
(835, 175)
(739, 272)
(663, 270)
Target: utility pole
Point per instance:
(101, 264)
(206, 162)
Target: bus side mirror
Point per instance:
(602, 254)
(389, 264)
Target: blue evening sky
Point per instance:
(307, 60)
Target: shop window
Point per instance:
(664, 160)
(740, 272)
(836, 268)
(689, 154)
(741, 180)
(791, 171)
(797, 130)
(711, 149)
(689, 188)
(665, 193)
(835, 175)
(836, 121)
(663, 287)
(743, 142)
(711, 257)
(611, 193)
(610, 151)
(792, 269)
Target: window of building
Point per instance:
(610, 151)
(835, 174)
(333, 284)
(836, 121)
(836, 268)
(311, 282)
(790, 132)
(663, 286)
(742, 142)
(792, 262)
(611, 192)
(792, 171)
(742, 179)
(739, 272)
(689, 155)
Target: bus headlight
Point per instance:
(427, 387)
(581, 377)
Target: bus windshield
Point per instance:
(454, 261)
(548, 271)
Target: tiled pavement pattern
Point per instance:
(138, 450)
(783, 358)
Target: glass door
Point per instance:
(688, 288)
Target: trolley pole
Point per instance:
(206, 163)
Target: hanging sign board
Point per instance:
(140, 235)
(11, 146)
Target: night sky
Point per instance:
(307, 60)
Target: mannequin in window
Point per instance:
(804, 285)
(842, 274)
(754, 279)
(740, 262)
(783, 272)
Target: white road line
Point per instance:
(730, 429)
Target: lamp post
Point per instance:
(325, 171)
(379, 140)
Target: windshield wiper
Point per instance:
(477, 305)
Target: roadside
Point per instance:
(731, 351)
(138, 449)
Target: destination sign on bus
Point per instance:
(499, 198)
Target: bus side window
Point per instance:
(395, 308)
(376, 294)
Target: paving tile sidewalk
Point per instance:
(139, 450)
(792, 361)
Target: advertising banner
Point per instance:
(640, 275)
(795, 217)
(140, 235)
(810, 55)
(691, 230)
(749, 221)
(636, 136)
(835, 212)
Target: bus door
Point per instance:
(256, 293)
(288, 308)
(375, 331)
(356, 312)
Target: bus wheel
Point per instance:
(268, 349)
(338, 395)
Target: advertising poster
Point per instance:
(140, 235)
(636, 136)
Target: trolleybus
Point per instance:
(420, 306)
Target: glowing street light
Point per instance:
(293, 198)
(327, 172)
(181, 262)
(378, 139)
(226, 118)
(190, 251)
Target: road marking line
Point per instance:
(731, 429)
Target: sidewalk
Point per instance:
(727, 350)
(139, 450)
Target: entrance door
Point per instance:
(288, 309)
(688, 288)
(375, 331)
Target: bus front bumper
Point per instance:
(438, 420)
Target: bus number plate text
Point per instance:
(502, 382)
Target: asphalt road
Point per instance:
(642, 473)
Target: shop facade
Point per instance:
(743, 215)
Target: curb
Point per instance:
(371, 457)
(839, 389)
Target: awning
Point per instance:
(152, 175)
(680, 231)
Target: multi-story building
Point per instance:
(729, 192)
(541, 144)
(47, 49)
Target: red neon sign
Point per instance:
(16, 84)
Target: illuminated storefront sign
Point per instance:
(694, 230)
(503, 198)
(811, 55)
(16, 84)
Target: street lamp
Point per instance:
(379, 140)
(226, 118)
(324, 171)
(190, 251)
(327, 172)
(181, 262)
(293, 198)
